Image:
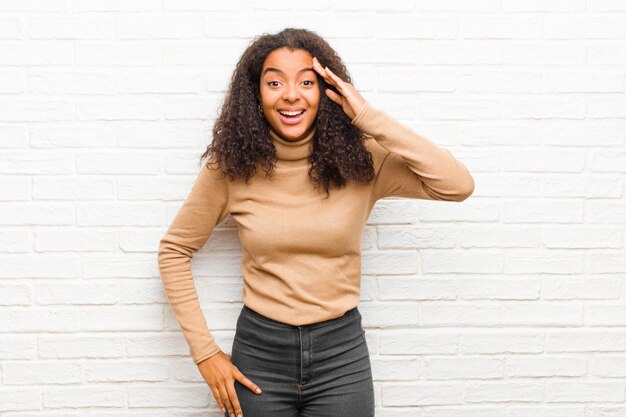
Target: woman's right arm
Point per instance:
(205, 206)
(203, 209)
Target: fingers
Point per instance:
(246, 382)
(334, 80)
(334, 96)
(226, 395)
(325, 72)
(338, 81)
(226, 398)
(318, 67)
(346, 95)
(218, 398)
(223, 391)
(220, 374)
(234, 400)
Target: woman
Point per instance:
(328, 156)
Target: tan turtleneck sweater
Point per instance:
(301, 253)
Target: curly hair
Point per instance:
(241, 140)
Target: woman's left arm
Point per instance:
(415, 167)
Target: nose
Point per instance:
(291, 93)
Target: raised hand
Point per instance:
(349, 98)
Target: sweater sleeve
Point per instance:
(205, 206)
(414, 167)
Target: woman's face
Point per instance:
(289, 83)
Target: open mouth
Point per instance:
(291, 117)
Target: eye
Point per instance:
(270, 83)
(309, 81)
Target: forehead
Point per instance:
(288, 61)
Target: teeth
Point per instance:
(291, 113)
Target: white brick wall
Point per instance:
(509, 304)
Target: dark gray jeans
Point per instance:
(315, 370)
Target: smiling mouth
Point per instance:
(291, 118)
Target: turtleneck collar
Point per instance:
(293, 150)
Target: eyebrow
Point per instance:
(268, 69)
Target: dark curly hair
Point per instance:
(241, 140)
